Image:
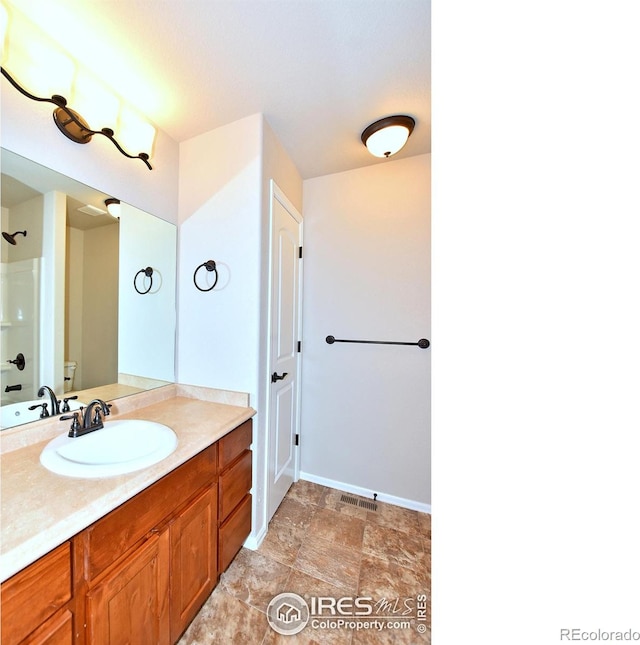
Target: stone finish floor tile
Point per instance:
(330, 562)
(254, 578)
(287, 530)
(307, 586)
(306, 492)
(310, 636)
(337, 528)
(424, 520)
(294, 512)
(224, 619)
(397, 546)
(319, 546)
(395, 517)
(382, 579)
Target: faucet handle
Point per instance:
(45, 413)
(102, 409)
(75, 424)
(65, 403)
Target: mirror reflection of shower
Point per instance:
(11, 237)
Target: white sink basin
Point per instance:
(118, 448)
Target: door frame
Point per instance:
(276, 193)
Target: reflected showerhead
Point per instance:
(12, 238)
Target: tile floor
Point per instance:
(319, 546)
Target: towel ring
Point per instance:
(149, 273)
(209, 265)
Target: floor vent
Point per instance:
(354, 501)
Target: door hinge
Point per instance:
(297, 440)
(300, 252)
(299, 346)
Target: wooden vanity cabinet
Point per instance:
(37, 602)
(151, 563)
(140, 573)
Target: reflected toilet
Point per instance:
(69, 375)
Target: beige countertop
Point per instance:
(40, 509)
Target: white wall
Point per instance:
(28, 129)
(146, 323)
(224, 206)
(220, 212)
(366, 408)
(220, 216)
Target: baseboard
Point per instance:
(253, 542)
(365, 492)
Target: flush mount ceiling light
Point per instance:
(113, 206)
(387, 136)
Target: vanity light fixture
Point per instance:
(387, 136)
(113, 206)
(71, 124)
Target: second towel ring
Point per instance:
(209, 265)
(149, 273)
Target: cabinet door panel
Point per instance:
(194, 563)
(131, 604)
(35, 593)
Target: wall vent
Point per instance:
(347, 499)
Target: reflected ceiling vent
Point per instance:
(92, 210)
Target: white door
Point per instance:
(284, 355)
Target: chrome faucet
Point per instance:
(55, 404)
(92, 418)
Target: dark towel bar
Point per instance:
(423, 343)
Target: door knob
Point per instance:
(278, 377)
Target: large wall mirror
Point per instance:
(88, 299)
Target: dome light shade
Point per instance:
(387, 136)
(113, 206)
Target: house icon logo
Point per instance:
(288, 613)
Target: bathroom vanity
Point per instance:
(141, 552)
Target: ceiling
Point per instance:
(319, 70)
